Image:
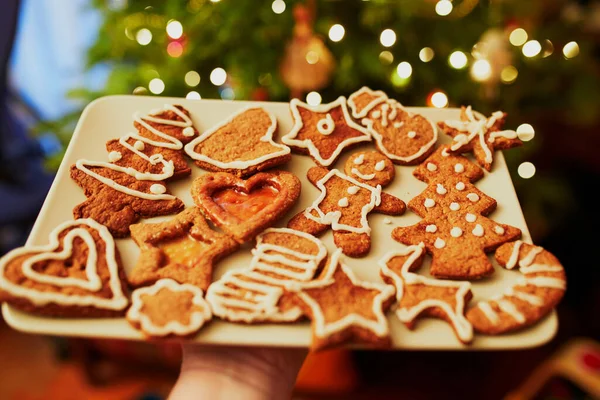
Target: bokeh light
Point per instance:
(175, 49)
(218, 76)
(156, 86)
(192, 78)
(336, 32)
(386, 57)
(531, 48)
(525, 132)
(518, 37)
(443, 7)
(174, 29)
(526, 170)
(458, 60)
(481, 70)
(193, 95)
(312, 57)
(387, 38)
(404, 70)
(143, 36)
(439, 99)
(571, 50)
(426, 54)
(508, 74)
(278, 6)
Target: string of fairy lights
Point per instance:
(480, 68)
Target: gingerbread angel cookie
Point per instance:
(343, 205)
(480, 135)
(404, 137)
(323, 131)
(242, 145)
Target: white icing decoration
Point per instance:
(238, 164)
(377, 97)
(473, 197)
(326, 125)
(431, 228)
(333, 217)
(454, 206)
(510, 309)
(478, 230)
(460, 186)
(459, 168)
(445, 153)
(431, 166)
(197, 318)
(440, 189)
(158, 189)
(353, 189)
(470, 217)
(343, 202)
(366, 177)
(429, 203)
(545, 282)
(359, 160)
(398, 125)
(380, 165)
(439, 243)
(489, 312)
(411, 134)
(188, 131)
(118, 301)
(387, 221)
(527, 297)
(290, 137)
(461, 325)
(499, 230)
(456, 232)
(114, 156)
(139, 145)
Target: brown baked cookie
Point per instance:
(323, 131)
(480, 135)
(78, 274)
(535, 294)
(170, 126)
(404, 137)
(168, 308)
(255, 293)
(343, 205)
(359, 318)
(244, 208)
(443, 165)
(183, 249)
(371, 168)
(418, 295)
(242, 145)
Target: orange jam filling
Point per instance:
(245, 205)
(182, 250)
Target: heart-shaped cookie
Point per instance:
(244, 208)
(78, 273)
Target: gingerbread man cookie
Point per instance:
(242, 145)
(323, 131)
(480, 135)
(343, 205)
(168, 308)
(78, 274)
(371, 168)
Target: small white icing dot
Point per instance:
(376, 114)
(353, 189)
(412, 134)
(114, 156)
(445, 153)
(343, 202)
(439, 243)
(431, 166)
(460, 186)
(456, 232)
(499, 230)
(139, 145)
(473, 197)
(470, 217)
(188, 131)
(440, 189)
(454, 206)
(431, 228)
(359, 160)
(478, 230)
(158, 189)
(387, 221)
(398, 124)
(459, 168)
(429, 203)
(380, 165)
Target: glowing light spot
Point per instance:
(215, 1)
(481, 70)
(548, 48)
(387, 38)
(218, 76)
(404, 70)
(508, 74)
(439, 100)
(175, 49)
(129, 34)
(571, 50)
(140, 90)
(526, 170)
(531, 48)
(336, 32)
(386, 57)
(193, 95)
(313, 98)
(426, 54)
(278, 6)
(312, 57)
(458, 60)
(192, 78)
(156, 86)
(143, 36)
(518, 37)
(443, 7)
(174, 29)
(227, 94)
(525, 132)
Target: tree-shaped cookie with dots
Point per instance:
(454, 229)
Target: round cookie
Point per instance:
(371, 168)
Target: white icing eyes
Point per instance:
(343, 202)
(353, 189)
(473, 197)
(326, 126)
(157, 189)
(114, 156)
(499, 230)
(380, 166)
(429, 203)
(412, 134)
(431, 167)
(478, 230)
(459, 168)
(431, 228)
(359, 160)
(460, 186)
(439, 243)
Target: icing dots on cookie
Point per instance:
(431, 228)
(454, 206)
(473, 197)
(456, 232)
(429, 203)
(478, 230)
(460, 186)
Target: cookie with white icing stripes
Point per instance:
(78, 274)
(371, 168)
(539, 289)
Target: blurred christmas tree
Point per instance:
(533, 59)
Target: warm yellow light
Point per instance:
(571, 50)
(404, 70)
(439, 99)
(458, 60)
(426, 54)
(193, 95)
(143, 36)
(518, 37)
(192, 78)
(128, 34)
(386, 57)
(218, 76)
(174, 29)
(387, 38)
(508, 74)
(481, 70)
(443, 7)
(526, 170)
(336, 32)
(531, 48)
(156, 86)
(547, 48)
(525, 132)
(313, 98)
(278, 6)
(140, 90)
(215, 1)
(312, 57)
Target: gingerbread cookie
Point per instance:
(359, 318)
(343, 205)
(323, 131)
(480, 135)
(418, 295)
(405, 137)
(244, 208)
(131, 185)
(168, 308)
(256, 293)
(533, 296)
(242, 145)
(183, 249)
(78, 274)
(371, 168)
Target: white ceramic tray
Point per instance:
(111, 117)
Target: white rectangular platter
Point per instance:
(111, 117)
